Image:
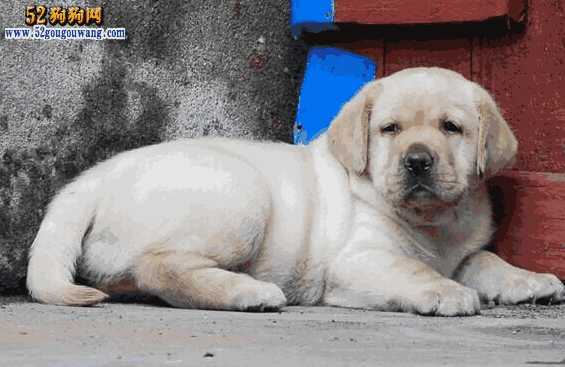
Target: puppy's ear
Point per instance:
(497, 145)
(348, 135)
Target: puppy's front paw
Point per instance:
(446, 299)
(259, 297)
(525, 286)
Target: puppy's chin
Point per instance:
(423, 197)
(425, 208)
(425, 204)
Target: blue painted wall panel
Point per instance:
(331, 78)
(311, 16)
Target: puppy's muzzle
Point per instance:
(418, 160)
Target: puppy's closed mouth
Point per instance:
(420, 191)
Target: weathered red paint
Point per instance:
(530, 208)
(454, 54)
(526, 73)
(384, 12)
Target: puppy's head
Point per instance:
(423, 136)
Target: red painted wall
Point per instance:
(425, 11)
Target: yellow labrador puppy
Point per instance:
(388, 210)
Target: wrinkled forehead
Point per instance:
(425, 96)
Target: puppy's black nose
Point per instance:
(418, 160)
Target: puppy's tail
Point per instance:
(58, 245)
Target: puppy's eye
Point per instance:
(392, 128)
(451, 127)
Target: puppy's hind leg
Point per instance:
(189, 280)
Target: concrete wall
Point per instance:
(188, 68)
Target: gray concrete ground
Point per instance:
(120, 334)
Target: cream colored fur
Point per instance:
(227, 224)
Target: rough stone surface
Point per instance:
(188, 68)
(135, 335)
